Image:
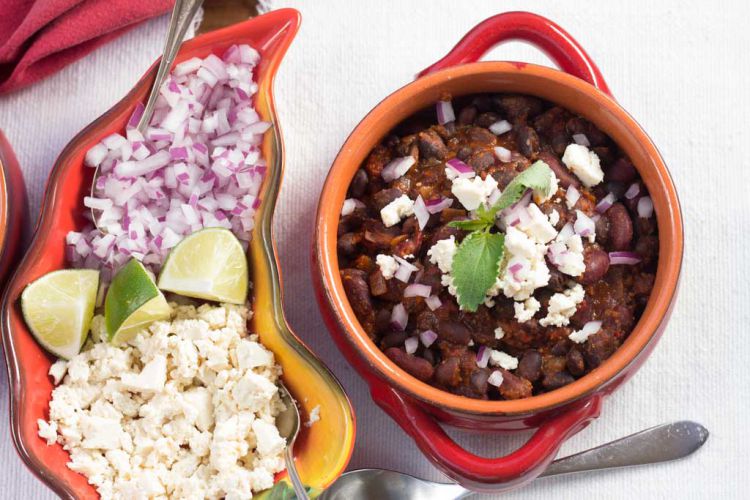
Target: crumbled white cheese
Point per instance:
(473, 192)
(442, 252)
(589, 329)
(57, 370)
(184, 410)
(567, 255)
(554, 217)
(526, 310)
(562, 306)
(503, 360)
(526, 269)
(538, 225)
(584, 164)
(314, 416)
(499, 333)
(392, 213)
(387, 264)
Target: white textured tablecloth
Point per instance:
(680, 68)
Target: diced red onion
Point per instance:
(417, 290)
(626, 258)
(632, 191)
(405, 268)
(399, 317)
(421, 212)
(433, 302)
(97, 203)
(645, 207)
(500, 127)
(411, 344)
(581, 139)
(460, 168)
(503, 154)
(571, 196)
(495, 378)
(605, 203)
(397, 168)
(428, 337)
(437, 205)
(348, 207)
(96, 155)
(135, 117)
(483, 356)
(445, 112)
(584, 225)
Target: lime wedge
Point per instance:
(133, 302)
(58, 308)
(209, 264)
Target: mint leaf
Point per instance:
(476, 266)
(537, 177)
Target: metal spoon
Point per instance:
(288, 424)
(182, 15)
(662, 443)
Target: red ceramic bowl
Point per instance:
(13, 210)
(322, 450)
(418, 407)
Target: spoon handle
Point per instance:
(662, 443)
(299, 488)
(182, 16)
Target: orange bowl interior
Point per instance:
(552, 85)
(322, 451)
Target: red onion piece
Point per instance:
(645, 207)
(495, 378)
(632, 191)
(433, 302)
(135, 117)
(399, 318)
(626, 258)
(421, 212)
(417, 290)
(503, 154)
(584, 225)
(397, 168)
(428, 337)
(483, 356)
(605, 203)
(445, 112)
(500, 127)
(411, 344)
(460, 168)
(581, 139)
(437, 205)
(571, 196)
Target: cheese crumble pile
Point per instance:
(185, 410)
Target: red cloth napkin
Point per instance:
(39, 37)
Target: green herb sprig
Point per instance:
(478, 259)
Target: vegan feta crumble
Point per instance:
(562, 306)
(387, 264)
(584, 164)
(184, 410)
(392, 213)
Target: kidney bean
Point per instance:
(518, 107)
(427, 320)
(376, 161)
(601, 227)
(527, 140)
(514, 387)
(467, 115)
(412, 239)
(383, 321)
(358, 292)
(530, 365)
(558, 282)
(621, 171)
(430, 356)
(378, 285)
(359, 184)
(448, 372)
(574, 362)
(599, 347)
(347, 243)
(416, 367)
(556, 380)
(644, 226)
(479, 380)
(453, 331)
(431, 145)
(393, 339)
(620, 227)
(597, 264)
(564, 176)
(486, 119)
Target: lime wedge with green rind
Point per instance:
(58, 308)
(209, 264)
(133, 302)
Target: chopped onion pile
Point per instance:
(199, 165)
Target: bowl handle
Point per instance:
(526, 27)
(479, 473)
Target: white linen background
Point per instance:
(680, 68)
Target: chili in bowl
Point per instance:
(418, 360)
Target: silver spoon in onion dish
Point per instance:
(662, 443)
(288, 422)
(182, 16)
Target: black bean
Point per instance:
(530, 366)
(574, 362)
